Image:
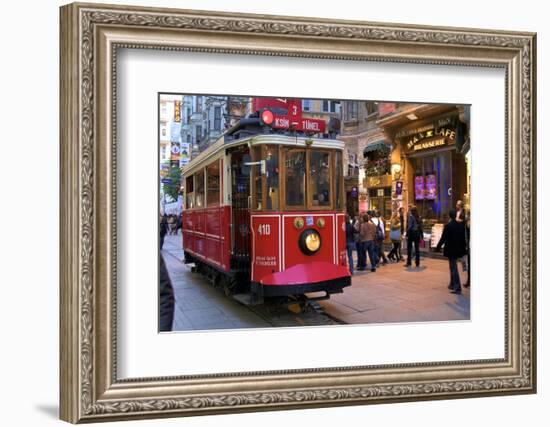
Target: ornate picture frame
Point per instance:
(90, 37)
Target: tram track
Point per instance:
(284, 314)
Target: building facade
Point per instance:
(402, 154)
(358, 130)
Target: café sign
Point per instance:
(428, 144)
(431, 138)
(444, 132)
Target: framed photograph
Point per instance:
(268, 212)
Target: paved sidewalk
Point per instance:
(397, 294)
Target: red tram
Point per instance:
(264, 207)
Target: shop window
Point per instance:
(380, 192)
(295, 176)
(213, 184)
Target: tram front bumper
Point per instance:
(303, 278)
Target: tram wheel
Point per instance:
(229, 285)
(218, 280)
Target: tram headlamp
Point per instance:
(310, 241)
(267, 117)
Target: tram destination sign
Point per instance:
(301, 124)
(286, 113)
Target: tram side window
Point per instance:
(272, 177)
(189, 193)
(199, 189)
(213, 184)
(339, 176)
(258, 181)
(319, 179)
(295, 177)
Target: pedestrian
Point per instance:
(402, 220)
(163, 229)
(361, 247)
(395, 237)
(166, 298)
(378, 221)
(454, 240)
(459, 209)
(172, 224)
(466, 221)
(179, 223)
(414, 234)
(356, 222)
(367, 235)
(351, 239)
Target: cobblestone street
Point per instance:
(391, 294)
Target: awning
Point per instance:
(376, 146)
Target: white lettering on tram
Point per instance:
(312, 126)
(279, 121)
(264, 229)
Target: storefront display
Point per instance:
(419, 187)
(431, 187)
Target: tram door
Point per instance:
(240, 210)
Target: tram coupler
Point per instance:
(320, 297)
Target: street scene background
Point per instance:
(397, 155)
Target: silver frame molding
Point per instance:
(90, 37)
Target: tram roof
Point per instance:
(297, 141)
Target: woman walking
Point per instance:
(414, 234)
(395, 237)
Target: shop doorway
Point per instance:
(380, 200)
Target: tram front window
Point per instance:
(319, 178)
(295, 169)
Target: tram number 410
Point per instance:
(264, 229)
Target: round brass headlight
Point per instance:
(310, 241)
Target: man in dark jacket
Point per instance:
(454, 240)
(166, 298)
(163, 229)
